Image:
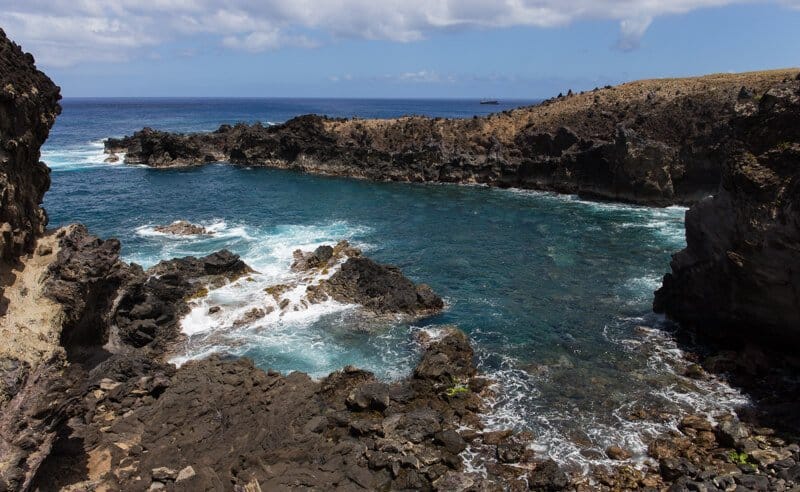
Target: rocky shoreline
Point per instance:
(648, 142)
(89, 402)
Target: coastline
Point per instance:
(103, 409)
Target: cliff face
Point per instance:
(738, 280)
(28, 108)
(649, 142)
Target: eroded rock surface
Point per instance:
(738, 280)
(342, 273)
(648, 142)
(183, 228)
(28, 108)
(346, 432)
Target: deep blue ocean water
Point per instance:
(556, 292)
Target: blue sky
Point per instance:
(412, 48)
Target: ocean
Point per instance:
(554, 291)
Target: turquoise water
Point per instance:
(554, 291)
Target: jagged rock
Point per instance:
(250, 316)
(369, 396)
(696, 422)
(28, 109)
(306, 261)
(84, 279)
(494, 438)
(447, 361)
(569, 145)
(731, 432)
(618, 453)
(753, 482)
(451, 440)
(510, 452)
(183, 228)
(742, 244)
(284, 426)
(150, 303)
(380, 288)
(675, 468)
(547, 477)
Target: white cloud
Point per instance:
(631, 32)
(64, 32)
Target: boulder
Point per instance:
(380, 288)
(183, 228)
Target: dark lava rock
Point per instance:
(151, 303)
(447, 361)
(618, 453)
(510, 452)
(791, 474)
(284, 430)
(753, 482)
(741, 254)
(636, 143)
(84, 279)
(318, 258)
(674, 468)
(547, 477)
(28, 108)
(182, 228)
(731, 432)
(369, 396)
(451, 440)
(381, 288)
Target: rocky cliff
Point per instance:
(28, 108)
(87, 401)
(738, 280)
(648, 142)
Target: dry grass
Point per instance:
(579, 111)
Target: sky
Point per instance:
(512, 49)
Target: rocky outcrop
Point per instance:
(31, 360)
(182, 228)
(648, 142)
(151, 302)
(380, 288)
(145, 428)
(738, 280)
(340, 272)
(28, 108)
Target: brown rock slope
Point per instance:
(647, 142)
(738, 280)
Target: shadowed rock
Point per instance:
(28, 108)
(738, 280)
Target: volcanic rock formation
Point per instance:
(738, 280)
(28, 108)
(648, 142)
